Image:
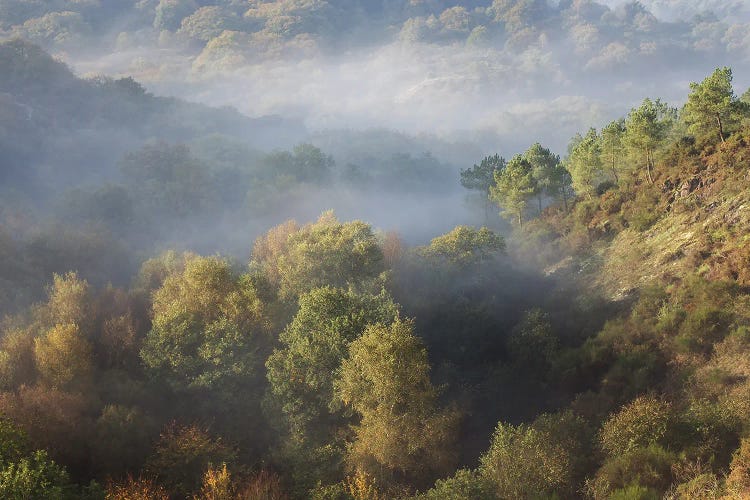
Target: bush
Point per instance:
(639, 424)
(702, 329)
(648, 467)
(523, 463)
(738, 481)
(35, 477)
(464, 485)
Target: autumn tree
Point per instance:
(513, 188)
(402, 434)
(327, 252)
(302, 371)
(183, 454)
(63, 356)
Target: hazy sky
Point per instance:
(685, 9)
(501, 96)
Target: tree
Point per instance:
(646, 127)
(401, 433)
(123, 439)
(208, 329)
(63, 356)
(463, 485)
(481, 178)
(35, 477)
(543, 164)
(523, 462)
(465, 246)
(166, 179)
(169, 13)
(17, 365)
(612, 147)
(69, 303)
(306, 163)
(183, 454)
(711, 105)
(514, 185)
(327, 252)
(584, 162)
(560, 183)
(532, 344)
(638, 424)
(302, 371)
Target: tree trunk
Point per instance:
(721, 127)
(565, 199)
(614, 167)
(540, 203)
(648, 167)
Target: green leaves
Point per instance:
(710, 111)
(302, 371)
(522, 462)
(207, 327)
(464, 246)
(325, 253)
(514, 185)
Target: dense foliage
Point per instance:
(598, 349)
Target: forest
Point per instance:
(200, 302)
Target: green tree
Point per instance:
(401, 433)
(302, 371)
(463, 485)
(306, 163)
(584, 162)
(532, 344)
(638, 424)
(514, 185)
(523, 462)
(327, 252)
(33, 477)
(612, 147)
(646, 127)
(465, 246)
(208, 328)
(481, 178)
(543, 169)
(711, 106)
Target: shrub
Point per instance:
(639, 424)
(648, 467)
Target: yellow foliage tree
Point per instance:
(63, 356)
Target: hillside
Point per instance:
(184, 315)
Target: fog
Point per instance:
(400, 97)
